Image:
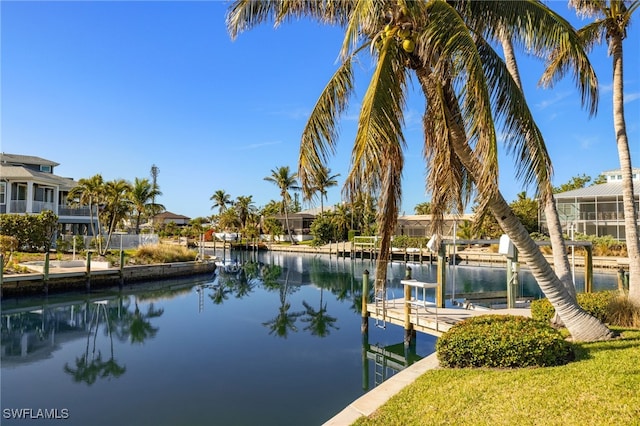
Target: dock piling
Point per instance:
(408, 327)
(365, 298)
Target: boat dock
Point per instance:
(429, 319)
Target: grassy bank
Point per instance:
(600, 388)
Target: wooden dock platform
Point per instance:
(430, 320)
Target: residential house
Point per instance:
(596, 209)
(410, 225)
(28, 185)
(166, 217)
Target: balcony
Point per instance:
(73, 211)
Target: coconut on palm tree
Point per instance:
(286, 181)
(467, 88)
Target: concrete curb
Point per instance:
(375, 398)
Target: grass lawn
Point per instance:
(602, 387)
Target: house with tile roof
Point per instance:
(596, 209)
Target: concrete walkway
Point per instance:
(375, 398)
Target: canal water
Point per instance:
(274, 342)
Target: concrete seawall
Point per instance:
(74, 279)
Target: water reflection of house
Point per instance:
(597, 209)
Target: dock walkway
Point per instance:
(429, 320)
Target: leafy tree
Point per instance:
(611, 20)
(272, 226)
(229, 220)
(575, 182)
(526, 209)
(272, 208)
(323, 229)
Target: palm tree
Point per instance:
(88, 193)
(611, 21)
(117, 205)
(447, 46)
(318, 183)
(245, 207)
(423, 208)
(142, 196)
(286, 181)
(221, 200)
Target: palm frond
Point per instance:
(320, 133)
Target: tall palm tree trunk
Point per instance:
(286, 221)
(558, 246)
(630, 214)
(581, 325)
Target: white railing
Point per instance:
(124, 241)
(41, 206)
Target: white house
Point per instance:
(28, 185)
(596, 209)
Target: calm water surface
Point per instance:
(277, 343)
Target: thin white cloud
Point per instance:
(605, 88)
(630, 97)
(293, 113)
(559, 97)
(258, 145)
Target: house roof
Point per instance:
(25, 159)
(610, 189)
(169, 215)
(22, 173)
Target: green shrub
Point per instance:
(595, 304)
(352, 234)
(323, 230)
(542, 310)
(503, 341)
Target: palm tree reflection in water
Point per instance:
(133, 326)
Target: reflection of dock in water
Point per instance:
(388, 360)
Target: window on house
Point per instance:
(3, 191)
(22, 192)
(45, 169)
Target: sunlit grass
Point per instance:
(600, 388)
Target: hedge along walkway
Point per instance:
(600, 388)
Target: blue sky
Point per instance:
(115, 87)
